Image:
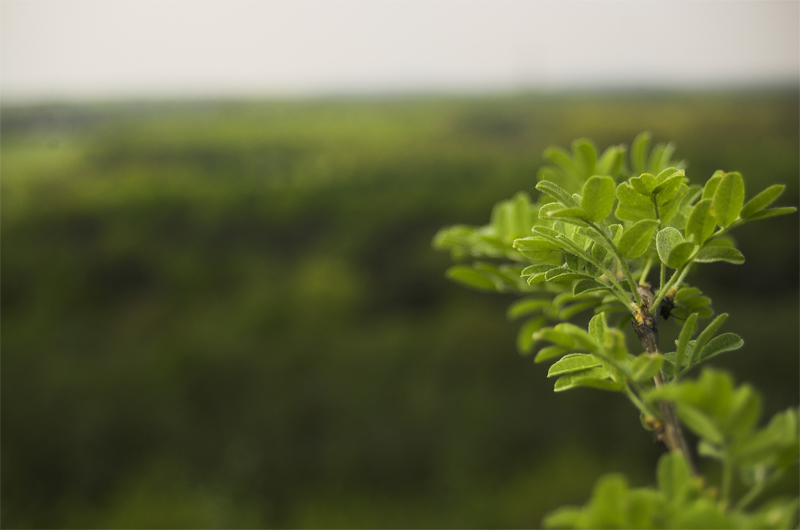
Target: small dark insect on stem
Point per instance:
(666, 307)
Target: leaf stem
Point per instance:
(754, 492)
(658, 216)
(638, 403)
(622, 262)
(620, 293)
(725, 485)
(646, 270)
(673, 283)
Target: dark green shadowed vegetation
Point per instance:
(229, 314)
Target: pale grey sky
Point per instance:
(84, 49)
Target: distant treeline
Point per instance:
(228, 314)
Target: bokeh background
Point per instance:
(220, 304)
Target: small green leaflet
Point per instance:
(598, 327)
(719, 344)
(680, 254)
(712, 183)
(525, 339)
(687, 292)
(585, 286)
(669, 173)
(631, 198)
(745, 411)
(645, 366)
(700, 423)
(584, 154)
(557, 192)
(728, 199)
(667, 190)
(638, 152)
(527, 306)
(635, 239)
(568, 214)
(572, 310)
(668, 239)
(674, 478)
(660, 158)
(593, 377)
(774, 445)
(597, 198)
(610, 163)
(713, 253)
(761, 201)
(644, 183)
(772, 212)
(683, 340)
(470, 277)
(573, 362)
(550, 352)
(561, 158)
(701, 222)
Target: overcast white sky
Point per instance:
(84, 49)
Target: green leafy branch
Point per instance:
(567, 253)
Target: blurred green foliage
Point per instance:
(228, 314)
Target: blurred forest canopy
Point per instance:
(228, 314)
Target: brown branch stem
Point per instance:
(646, 327)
